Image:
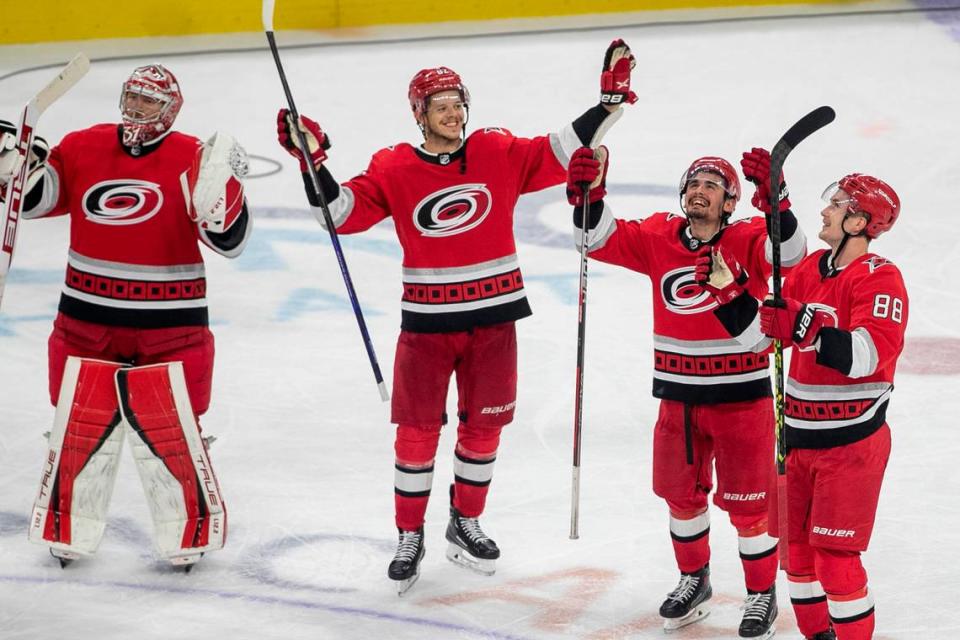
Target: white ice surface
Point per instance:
(305, 454)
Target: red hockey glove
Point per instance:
(724, 281)
(316, 139)
(791, 321)
(615, 76)
(756, 169)
(588, 168)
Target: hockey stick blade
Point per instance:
(68, 76)
(800, 131)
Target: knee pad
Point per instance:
(840, 572)
(475, 454)
(69, 513)
(415, 449)
(188, 512)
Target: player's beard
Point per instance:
(444, 136)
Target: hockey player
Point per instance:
(452, 200)
(844, 310)
(714, 393)
(130, 345)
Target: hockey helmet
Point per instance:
(430, 81)
(719, 166)
(156, 82)
(870, 196)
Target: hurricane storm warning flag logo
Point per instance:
(117, 202)
(451, 211)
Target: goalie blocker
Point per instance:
(97, 400)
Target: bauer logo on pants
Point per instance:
(119, 202)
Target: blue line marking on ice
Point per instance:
(308, 300)
(261, 253)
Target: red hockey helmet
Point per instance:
(430, 81)
(154, 82)
(873, 197)
(719, 166)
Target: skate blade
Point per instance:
(766, 635)
(459, 556)
(64, 557)
(695, 615)
(405, 585)
(186, 562)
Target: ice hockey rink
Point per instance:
(304, 451)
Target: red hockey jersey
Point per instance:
(828, 405)
(695, 359)
(134, 258)
(453, 215)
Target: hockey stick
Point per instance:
(12, 207)
(578, 393)
(327, 218)
(808, 124)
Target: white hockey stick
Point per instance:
(13, 205)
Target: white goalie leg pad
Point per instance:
(69, 513)
(189, 516)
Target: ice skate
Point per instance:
(759, 614)
(405, 566)
(469, 546)
(186, 561)
(829, 634)
(64, 557)
(687, 603)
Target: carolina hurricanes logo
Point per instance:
(875, 262)
(122, 201)
(452, 211)
(682, 294)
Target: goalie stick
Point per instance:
(12, 206)
(327, 218)
(807, 125)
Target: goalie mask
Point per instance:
(149, 103)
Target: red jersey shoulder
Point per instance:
(663, 222)
(393, 155)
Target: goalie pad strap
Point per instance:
(82, 460)
(185, 501)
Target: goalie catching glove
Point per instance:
(213, 184)
(10, 158)
(618, 62)
(316, 139)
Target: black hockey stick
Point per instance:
(327, 218)
(578, 393)
(808, 124)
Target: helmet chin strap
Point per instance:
(835, 255)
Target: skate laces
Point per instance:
(756, 606)
(686, 588)
(409, 544)
(471, 528)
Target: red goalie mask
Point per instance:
(149, 103)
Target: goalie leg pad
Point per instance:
(189, 516)
(69, 513)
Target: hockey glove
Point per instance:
(791, 321)
(10, 157)
(722, 281)
(618, 62)
(588, 169)
(316, 139)
(756, 168)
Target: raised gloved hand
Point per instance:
(791, 321)
(317, 140)
(724, 281)
(215, 180)
(756, 168)
(588, 168)
(618, 62)
(9, 157)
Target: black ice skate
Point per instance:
(759, 613)
(405, 566)
(64, 557)
(469, 546)
(688, 602)
(824, 635)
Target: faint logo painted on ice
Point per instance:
(451, 211)
(118, 202)
(682, 294)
